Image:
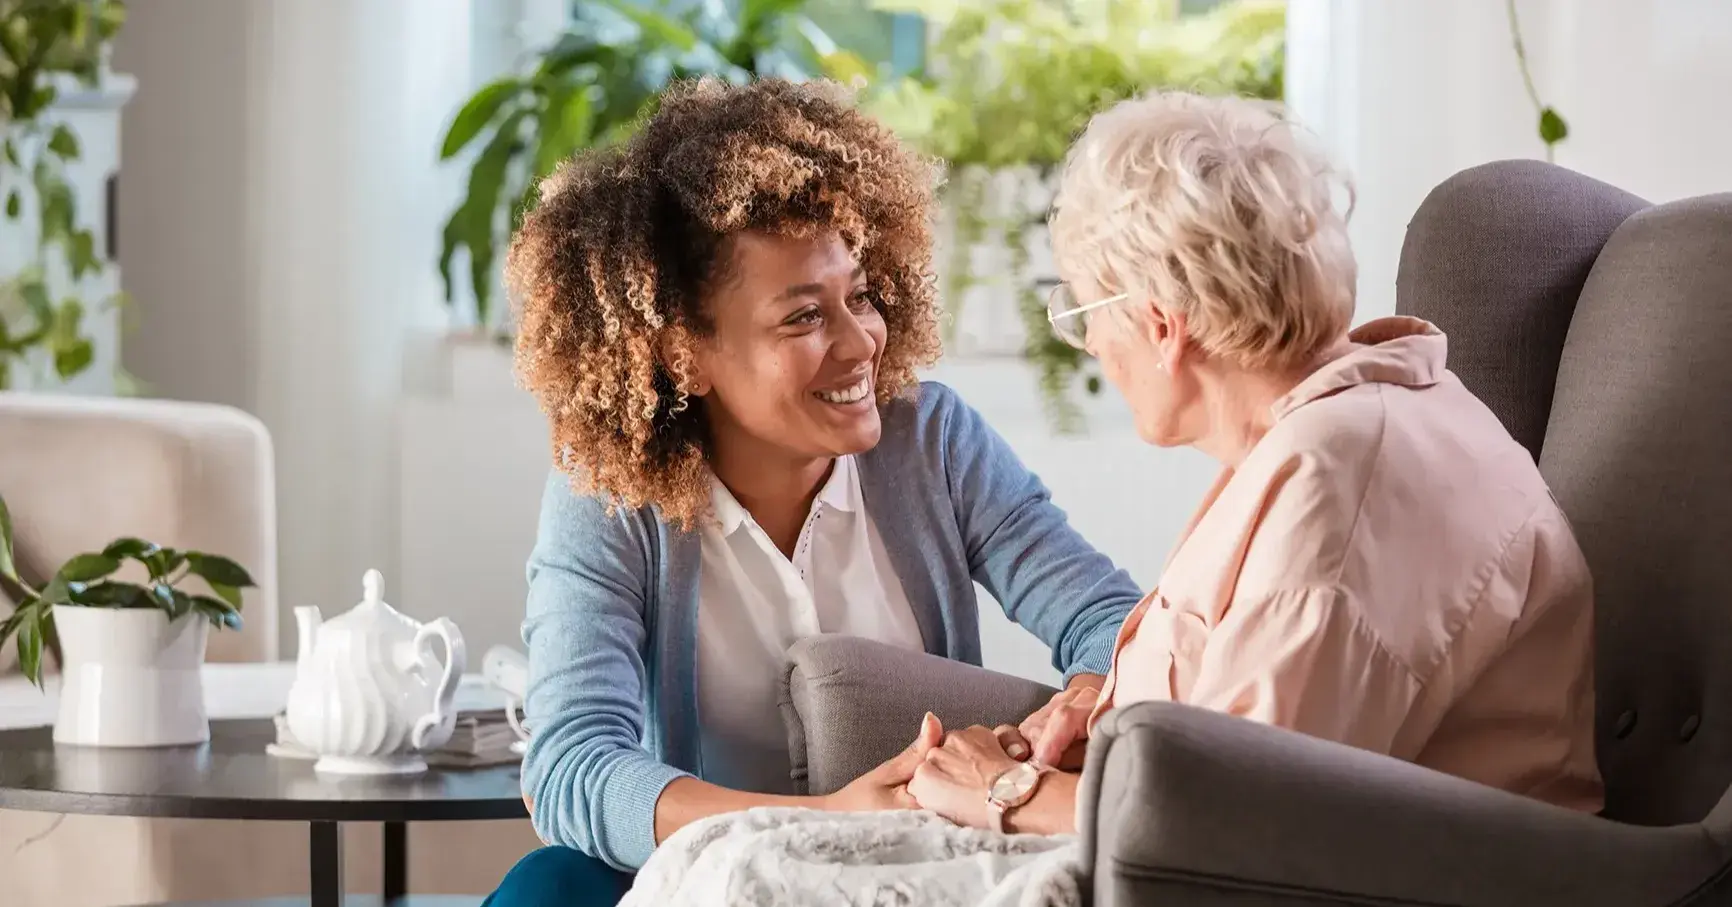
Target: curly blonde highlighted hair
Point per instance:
(1214, 208)
(611, 270)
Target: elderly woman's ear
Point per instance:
(1152, 333)
(1167, 333)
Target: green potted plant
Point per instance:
(1010, 84)
(590, 87)
(47, 47)
(131, 651)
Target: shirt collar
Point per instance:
(728, 511)
(1398, 350)
(841, 491)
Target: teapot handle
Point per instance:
(443, 718)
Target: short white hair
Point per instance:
(1214, 208)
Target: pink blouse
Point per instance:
(1386, 569)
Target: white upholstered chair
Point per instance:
(77, 472)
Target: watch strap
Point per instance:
(995, 812)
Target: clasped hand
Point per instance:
(949, 773)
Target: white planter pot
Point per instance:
(131, 678)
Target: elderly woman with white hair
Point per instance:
(1378, 564)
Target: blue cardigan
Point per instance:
(613, 603)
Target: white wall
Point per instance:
(1408, 93)
(183, 199)
(1652, 90)
(280, 210)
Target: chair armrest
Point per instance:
(849, 704)
(1180, 805)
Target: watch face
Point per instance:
(1015, 783)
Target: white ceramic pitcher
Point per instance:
(369, 695)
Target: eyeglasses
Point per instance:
(1062, 307)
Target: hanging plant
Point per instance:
(591, 87)
(1552, 127)
(45, 45)
(1056, 362)
(966, 191)
(1011, 83)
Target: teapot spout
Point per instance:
(307, 623)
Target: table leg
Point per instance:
(325, 859)
(396, 860)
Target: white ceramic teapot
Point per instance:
(369, 696)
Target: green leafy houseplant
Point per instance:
(1552, 128)
(46, 45)
(591, 87)
(1011, 83)
(87, 580)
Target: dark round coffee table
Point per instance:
(232, 777)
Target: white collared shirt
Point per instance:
(753, 603)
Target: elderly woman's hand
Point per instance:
(1058, 734)
(954, 778)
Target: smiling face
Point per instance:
(790, 368)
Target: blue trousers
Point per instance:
(560, 877)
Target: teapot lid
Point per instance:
(373, 613)
(372, 588)
(372, 606)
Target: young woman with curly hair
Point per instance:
(723, 319)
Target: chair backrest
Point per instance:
(1496, 257)
(1600, 330)
(1638, 452)
(78, 472)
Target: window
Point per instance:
(878, 37)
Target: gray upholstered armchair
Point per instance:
(1599, 328)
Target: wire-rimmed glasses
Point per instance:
(1063, 311)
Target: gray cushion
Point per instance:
(1638, 452)
(1495, 256)
(1184, 806)
(850, 704)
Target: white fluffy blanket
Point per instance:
(798, 856)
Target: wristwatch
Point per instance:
(1012, 788)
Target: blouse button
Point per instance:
(1625, 724)
(1691, 724)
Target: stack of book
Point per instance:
(481, 739)
(483, 736)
